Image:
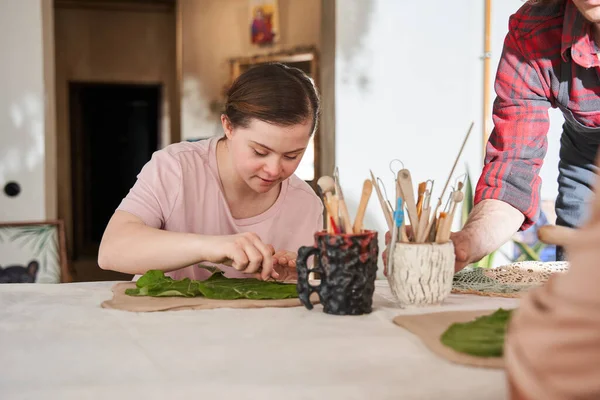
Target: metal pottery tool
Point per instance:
(383, 202)
(398, 222)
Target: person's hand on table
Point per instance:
(464, 241)
(285, 258)
(244, 251)
(468, 248)
(284, 263)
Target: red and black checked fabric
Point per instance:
(540, 38)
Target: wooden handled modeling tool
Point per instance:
(423, 232)
(330, 214)
(405, 181)
(424, 217)
(343, 210)
(333, 204)
(556, 235)
(420, 193)
(362, 206)
(386, 211)
(457, 197)
(438, 231)
(422, 225)
(326, 186)
(439, 203)
(327, 208)
(334, 229)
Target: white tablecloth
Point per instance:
(56, 342)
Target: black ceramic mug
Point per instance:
(347, 265)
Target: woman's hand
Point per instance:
(284, 263)
(285, 258)
(244, 251)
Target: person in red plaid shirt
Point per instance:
(550, 59)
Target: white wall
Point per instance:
(22, 109)
(409, 81)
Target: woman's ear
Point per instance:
(227, 127)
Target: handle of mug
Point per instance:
(305, 289)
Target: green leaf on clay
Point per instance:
(482, 337)
(154, 283)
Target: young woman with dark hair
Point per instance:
(226, 200)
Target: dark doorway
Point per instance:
(115, 128)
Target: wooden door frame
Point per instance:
(57, 144)
(327, 87)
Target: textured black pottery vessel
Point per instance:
(347, 265)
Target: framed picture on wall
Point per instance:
(264, 22)
(33, 252)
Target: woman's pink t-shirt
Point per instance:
(179, 190)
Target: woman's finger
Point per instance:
(240, 260)
(255, 258)
(267, 259)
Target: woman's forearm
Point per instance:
(131, 247)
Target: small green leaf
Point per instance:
(467, 205)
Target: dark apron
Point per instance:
(576, 168)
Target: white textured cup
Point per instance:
(421, 274)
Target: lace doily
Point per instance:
(507, 281)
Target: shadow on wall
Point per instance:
(22, 150)
(357, 17)
(197, 118)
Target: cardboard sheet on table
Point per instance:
(121, 301)
(430, 327)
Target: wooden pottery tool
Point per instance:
(382, 202)
(335, 209)
(405, 181)
(420, 197)
(439, 203)
(457, 197)
(424, 217)
(334, 228)
(326, 186)
(362, 206)
(556, 235)
(438, 230)
(344, 215)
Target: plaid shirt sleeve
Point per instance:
(518, 143)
